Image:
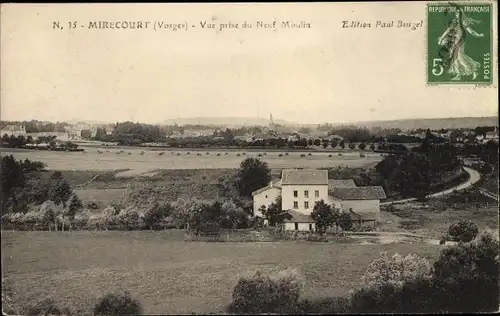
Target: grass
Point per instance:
(435, 220)
(168, 275)
(103, 197)
(151, 160)
(183, 183)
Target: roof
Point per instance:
(359, 193)
(298, 217)
(341, 183)
(275, 184)
(364, 216)
(304, 176)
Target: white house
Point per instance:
(300, 222)
(265, 196)
(300, 189)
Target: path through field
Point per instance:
(474, 177)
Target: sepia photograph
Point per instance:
(249, 158)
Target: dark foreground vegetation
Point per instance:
(464, 278)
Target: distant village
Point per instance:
(36, 134)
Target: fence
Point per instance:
(261, 235)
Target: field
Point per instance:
(132, 159)
(168, 275)
(434, 219)
(176, 173)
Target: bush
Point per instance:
(418, 296)
(117, 304)
(325, 306)
(395, 270)
(267, 294)
(129, 217)
(463, 231)
(463, 279)
(467, 274)
(92, 205)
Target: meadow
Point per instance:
(169, 275)
(434, 218)
(132, 159)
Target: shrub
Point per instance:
(267, 294)
(417, 296)
(467, 274)
(129, 217)
(463, 279)
(463, 231)
(117, 304)
(325, 306)
(92, 205)
(395, 270)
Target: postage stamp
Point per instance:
(459, 43)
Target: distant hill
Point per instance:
(225, 121)
(404, 124)
(89, 122)
(437, 123)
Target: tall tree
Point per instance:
(253, 174)
(344, 221)
(61, 192)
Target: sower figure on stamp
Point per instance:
(454, 37)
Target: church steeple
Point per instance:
(271, 122)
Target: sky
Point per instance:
(325, 73)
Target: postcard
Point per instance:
(249, 158)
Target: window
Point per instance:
(295, 193)
(306, 194)
(295, 204)
(296, 226)
(316, 193)
(310, 227)
(306, 204)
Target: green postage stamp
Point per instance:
(459, 43)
